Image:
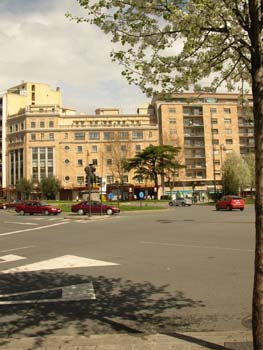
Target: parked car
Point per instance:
(13, 203)
(181, 201)
(94, 207)
(230, 202)
(36, 207)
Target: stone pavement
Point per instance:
(237, 340)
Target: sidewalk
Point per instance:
(237, 340)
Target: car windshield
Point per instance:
(43, 203)
(236, 197)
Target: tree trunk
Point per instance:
(256, 38)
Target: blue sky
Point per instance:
(39, 44)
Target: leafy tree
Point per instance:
(50, 186)
(24, 188)
(171, 45)
(154, 161)
(236, 175)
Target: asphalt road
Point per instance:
(181, 269)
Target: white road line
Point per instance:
(20, 223)
(198, 246)
(32, 229)
(19, 248)
(10, 257)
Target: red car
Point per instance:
(230, 202)
(94, 207)
(36, 207)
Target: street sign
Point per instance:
(141, 195)
(110, 196)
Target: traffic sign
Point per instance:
(141, 195)
(110, 196)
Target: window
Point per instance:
(215, 142)
(94, 148)
(172, 110)
(110, 179)
(215, 131)
(216, 163)
(108, 148)
(51, 136)
(42, 136)
(66, 148)
(94, 135)
(213, 110)
(109, 162)
(22, 126)
(79, 149)
(33, 124)
(229, 141)
(172, 120)
(214, 120)
(123, 148)
(80, 162)
(227, 110)
(95, 161)
(139, 179)
(150, 134)
(42, 124)
(80, 180)
(137, 135)
(125, 178)
(216, 151)
(51, 124)
(138, 148)
(79, 136)
(227, 120)
(66, 161)
(108, 135)
(66, 178)
(228, 131)
(123, 135)
(33, 137)
(172, 132)
(66, 135)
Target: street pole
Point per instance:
(213, 149)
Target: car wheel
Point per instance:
(241, 209)
(171, 204)
(21, 212)
(229, 208)
(46, 212)
(109, 212)
(81, 212)
(217, 207)
(183, 204)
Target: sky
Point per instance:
(39, 44)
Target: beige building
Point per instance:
(41, 138)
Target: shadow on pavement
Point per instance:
(121, 306)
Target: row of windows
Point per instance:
(80, 162)
(42, 124)
(108, 148)
(106, 123)
(109, 135)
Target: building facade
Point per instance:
(40, 138)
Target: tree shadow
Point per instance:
(121, 306)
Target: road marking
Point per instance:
(76, 292)
(197, 246)
(20, 223)
(19, 248)
(62, 262)
(32, 229)
(10, 257)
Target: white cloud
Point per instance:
(38, 43)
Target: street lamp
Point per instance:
(222, 148)
(213, 151)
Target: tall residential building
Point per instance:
(41, 138)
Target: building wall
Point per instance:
(44, 138)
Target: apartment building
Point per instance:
(206, 127)
(40, 137)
